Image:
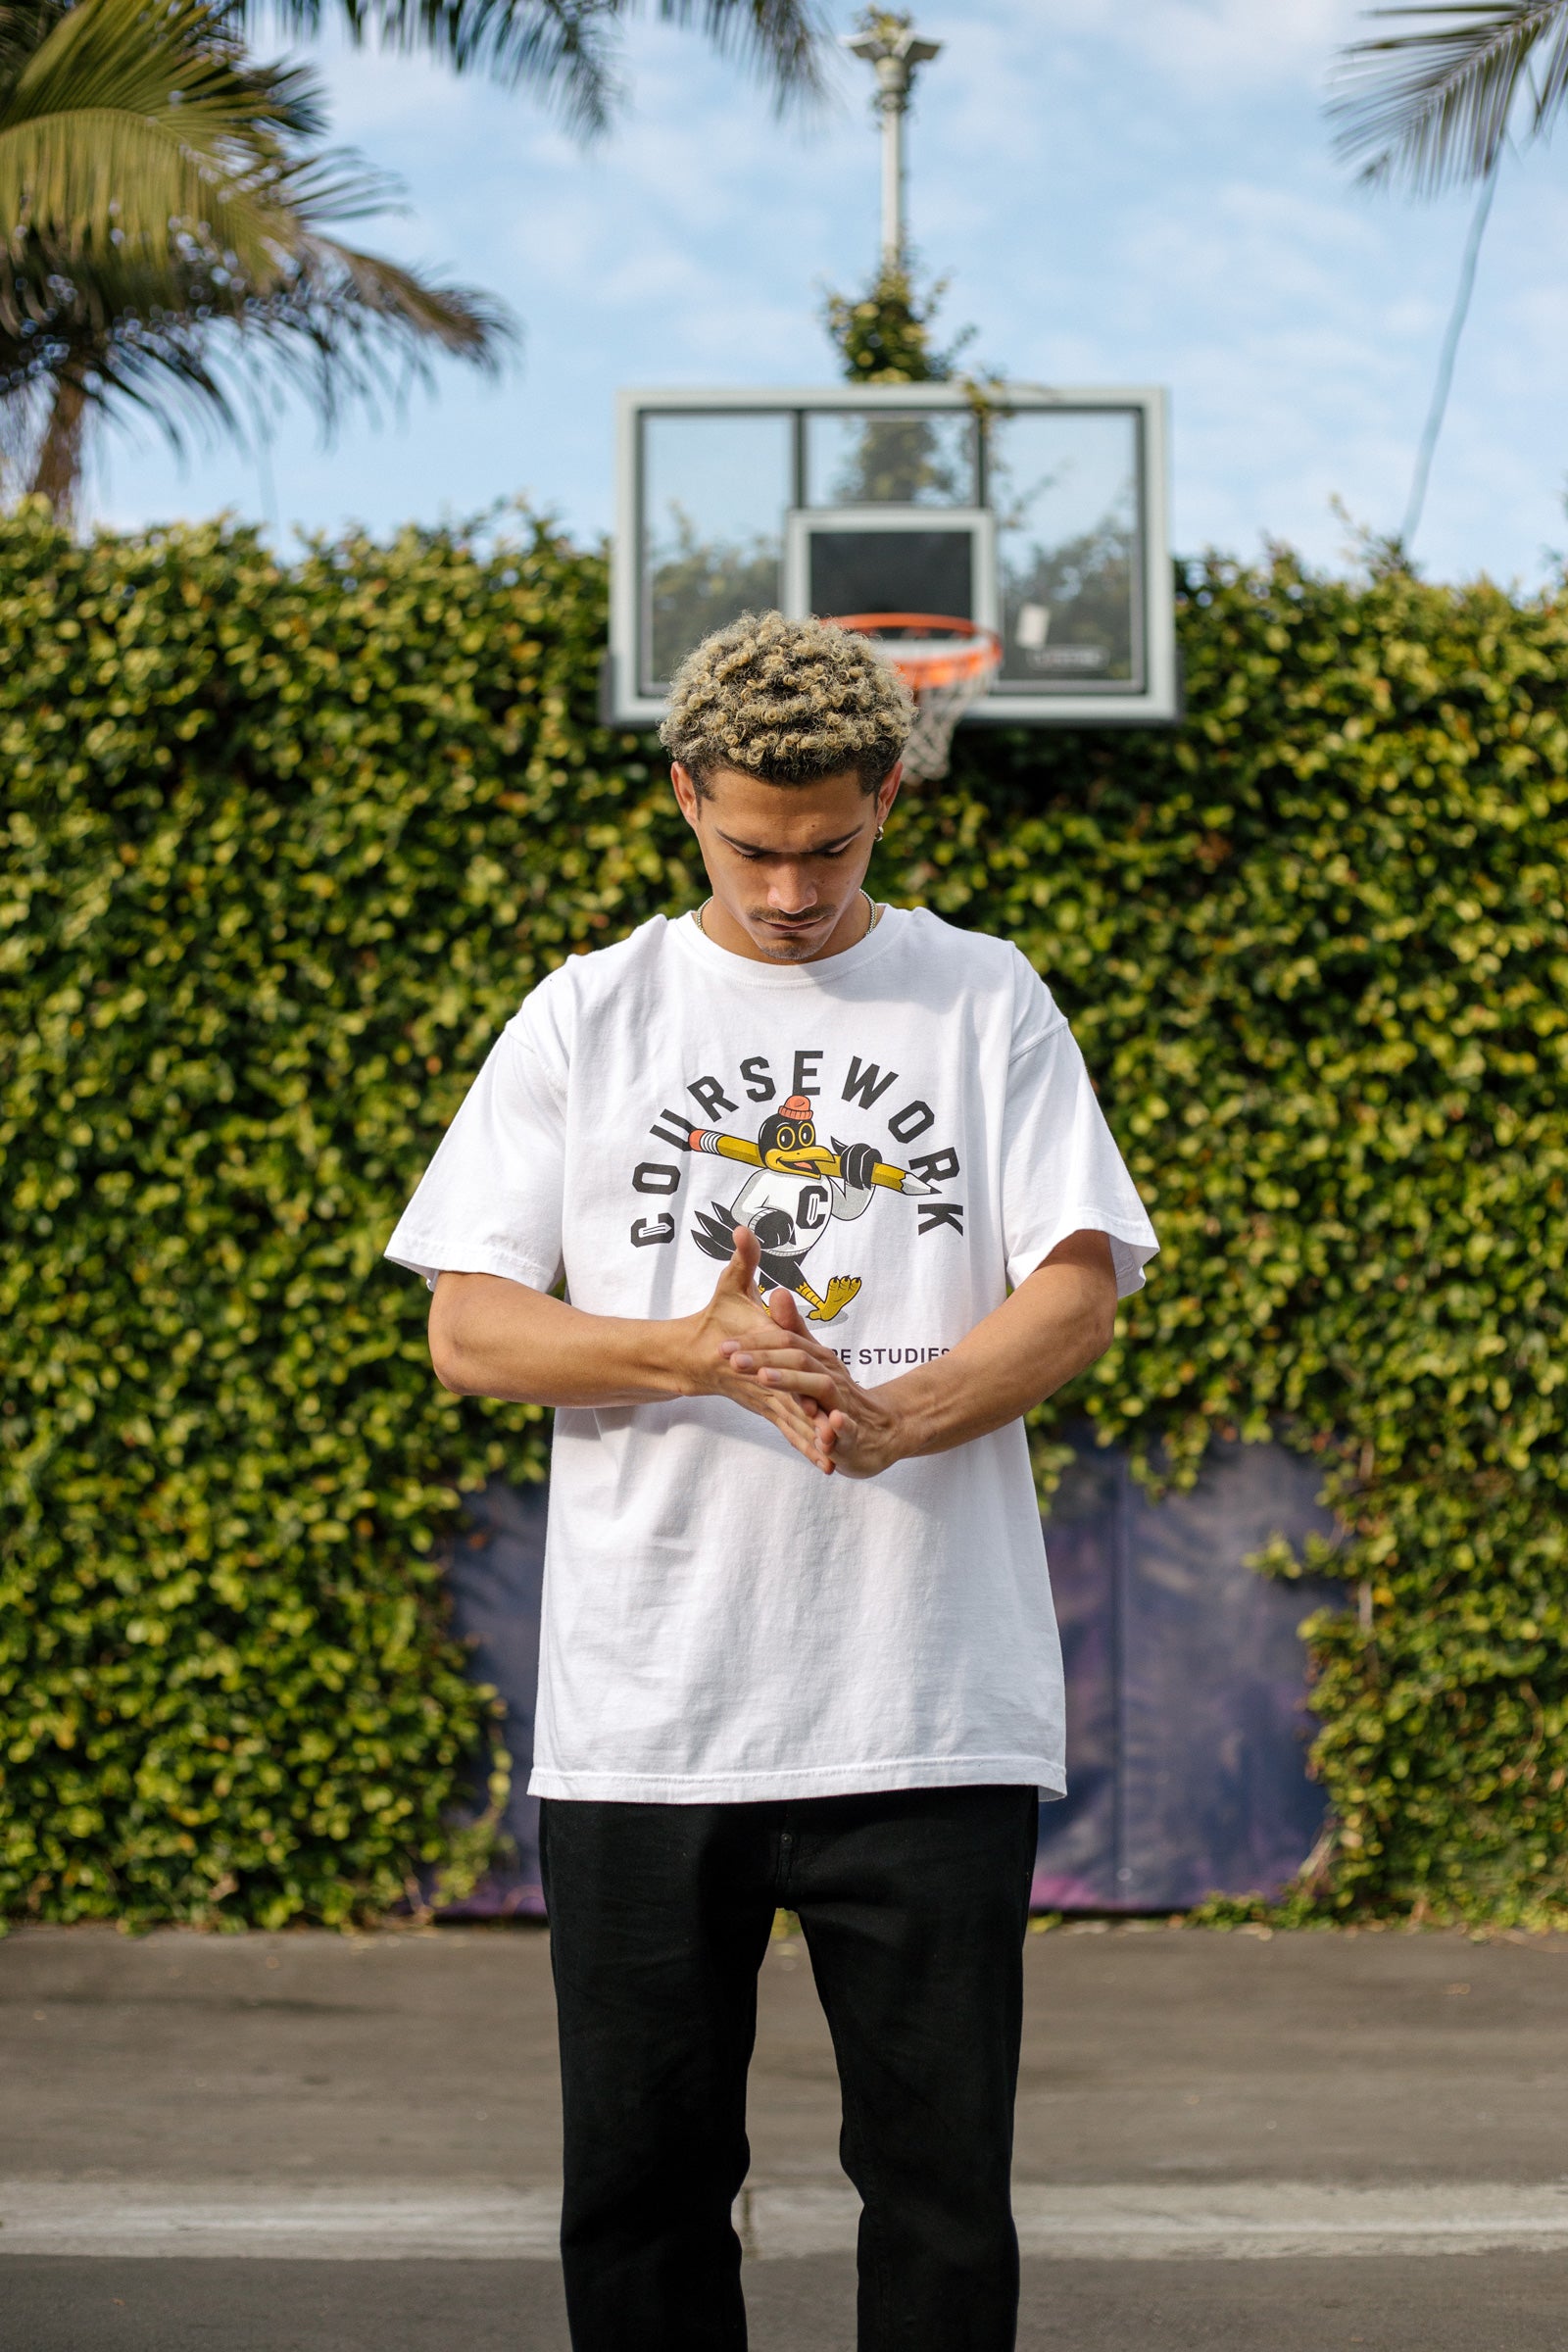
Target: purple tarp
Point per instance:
(495, 1575)
(1187, 1722)
(1186, 1682)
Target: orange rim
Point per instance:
(978, 651)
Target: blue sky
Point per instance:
(1121, 191)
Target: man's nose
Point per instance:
(791, 891)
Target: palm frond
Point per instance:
(343, 327)
(168, 240)
(1433, 107)
(128, 125)
(181, 59)
(335, 184)
(96, 178)
(781, 41)
(567, 50)
(388, 297)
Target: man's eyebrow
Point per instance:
(817, 849)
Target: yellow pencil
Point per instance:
(734, 1146)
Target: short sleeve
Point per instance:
(1062, 1172)
(490, 1200)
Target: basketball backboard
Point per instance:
(1038, 512)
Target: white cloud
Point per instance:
(1211, 49)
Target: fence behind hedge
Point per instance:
(286, 843)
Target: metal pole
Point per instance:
(890, 44)
(891, 186)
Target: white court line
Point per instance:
(1240, 2222)
(366, 2221)
(362, 2222)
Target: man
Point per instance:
(798, 1648)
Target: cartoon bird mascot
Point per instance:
(798, 1188)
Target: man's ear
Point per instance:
(887, 791)
(685, 793)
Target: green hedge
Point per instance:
(285, 845)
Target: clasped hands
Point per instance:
(494, 1337)
(769, 1363)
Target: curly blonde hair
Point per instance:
(787, 701)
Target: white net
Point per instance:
(937, 711)
(947, 662)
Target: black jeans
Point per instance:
(913, 1905)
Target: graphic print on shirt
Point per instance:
(800, 1188)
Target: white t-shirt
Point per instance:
(720, 1621)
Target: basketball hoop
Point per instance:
(947, 662)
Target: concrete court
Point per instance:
(1167, 2073)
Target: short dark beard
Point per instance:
(786, 951)
(779, 950)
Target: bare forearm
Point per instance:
(492, 1337)
(1053, 1326)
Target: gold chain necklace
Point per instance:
(873, 918)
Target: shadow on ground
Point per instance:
(1469, 2303)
